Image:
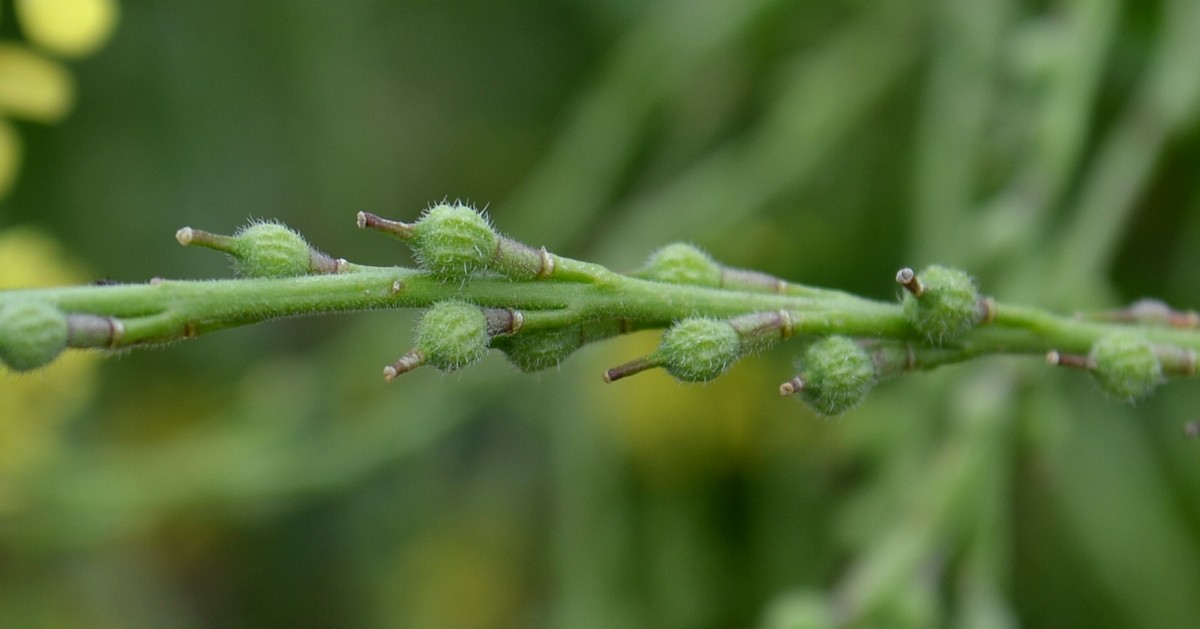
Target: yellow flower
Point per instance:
(34, 407)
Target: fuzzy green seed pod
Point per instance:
(681, 263)
(838, 374)
(699, 350)
(452, 335)
(1126, 366)
(541, 349)
(945, 306)
(454, 241)
(270, 250)
(31, 335)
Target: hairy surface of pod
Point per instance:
(681, 263)
(699, 350)
(452, 335)
(1126, 366)
(453, 241)
(270, 250)
(541, 349)
(31, 335)
(947, 307)
(838, 374)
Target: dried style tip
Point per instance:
(795, 385)
(907, 278)
(1126, 366)
(837, 375)
(1055, 358)
(942, 303)
(406, 363)
(188, 236)
(403, 231)
(31, 334)
(631, 368)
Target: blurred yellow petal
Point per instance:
(32, 86)
(72, 28)
(10, 156)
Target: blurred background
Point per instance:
(268, 477)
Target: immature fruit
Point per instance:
(31, 335)
(838, 374)
(454, 241)
(681, 263)
(699, 350)
(947, 306)
(452, 335)
(542, 349)
(1126, 366)
(270, 250)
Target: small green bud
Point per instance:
(454, 241)
(681, 263)
(838, 374)
(541, 349)
(1126, 366)
(452, 334)
(941, 303)
(265, 249)
(699, 350)
(31, 334)
(270, 250)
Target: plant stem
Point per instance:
(165, 311)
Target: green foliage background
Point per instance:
(268, 477)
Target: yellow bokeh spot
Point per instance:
(674, 430)
(467, 572)
(10, 156)
(72, 28)
(32, 86)
(35, 406)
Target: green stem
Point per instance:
(166, 311)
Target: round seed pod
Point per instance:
(947, 307)
(270, 250)
(1126, 366)
(681, 263)
(838, 374)
(699, 350)
(31, 335)
(543, 349)
(452, 335)
(454, 241)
